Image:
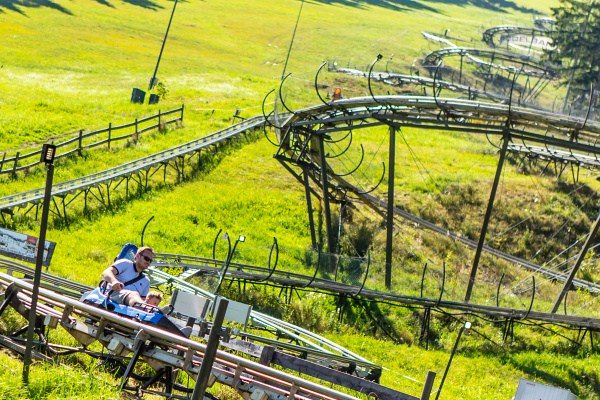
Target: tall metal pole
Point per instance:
(488, 215)
(390, 209)
(47, 150)
(153, 80)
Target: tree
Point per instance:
(576, 44)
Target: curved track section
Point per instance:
(302, 137)
(511, 62)
(402, 80)
(505, 33)
(522, 125)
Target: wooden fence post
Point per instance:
(14, 171)
(80, 149)
(2, 163)
(109, 133)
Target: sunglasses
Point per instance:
(149, 259)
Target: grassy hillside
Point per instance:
(70, 65)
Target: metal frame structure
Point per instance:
(304, 136)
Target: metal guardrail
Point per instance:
(259, 274)
(22, 162)
(309, 341)
(240, 373)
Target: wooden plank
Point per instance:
(339, 378)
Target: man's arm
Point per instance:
(110, 276)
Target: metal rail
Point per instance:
(74, 186)
(490, 34)
(309, 341)
(400, 80)
(318, 347)
(124, 336)
(567, 139)
(287, 279)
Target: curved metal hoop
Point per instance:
(280, 94)
(487, 136)
(362, 157)
(329, 156)
(366, 275)
(267, 119)
(316, 269)
(340, 139)
(144, 229)
(423, 279)
(443, 284)
(512, 87)
(378, 183)
(379, 57)
(214, 249)
(265, 129)
(532, 298)
(498, 291)
(317, 83)
(274, 247)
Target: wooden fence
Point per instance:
(87, 140)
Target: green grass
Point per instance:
(72, 65)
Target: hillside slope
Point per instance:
(72, 65)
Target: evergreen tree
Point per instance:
(576, 43)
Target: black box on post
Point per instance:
(137, 96)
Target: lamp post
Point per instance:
(466, 326)
(48, 153)
(241, 238)
(153, 80)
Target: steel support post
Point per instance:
(428, 385)
(326, 205)
(211, 351)
(580, 257)
(390, 209)
(488, 214)
(39, 261)
(311, 219)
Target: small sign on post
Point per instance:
(23, 247)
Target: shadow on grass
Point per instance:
(505, 6)
(20, 6)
